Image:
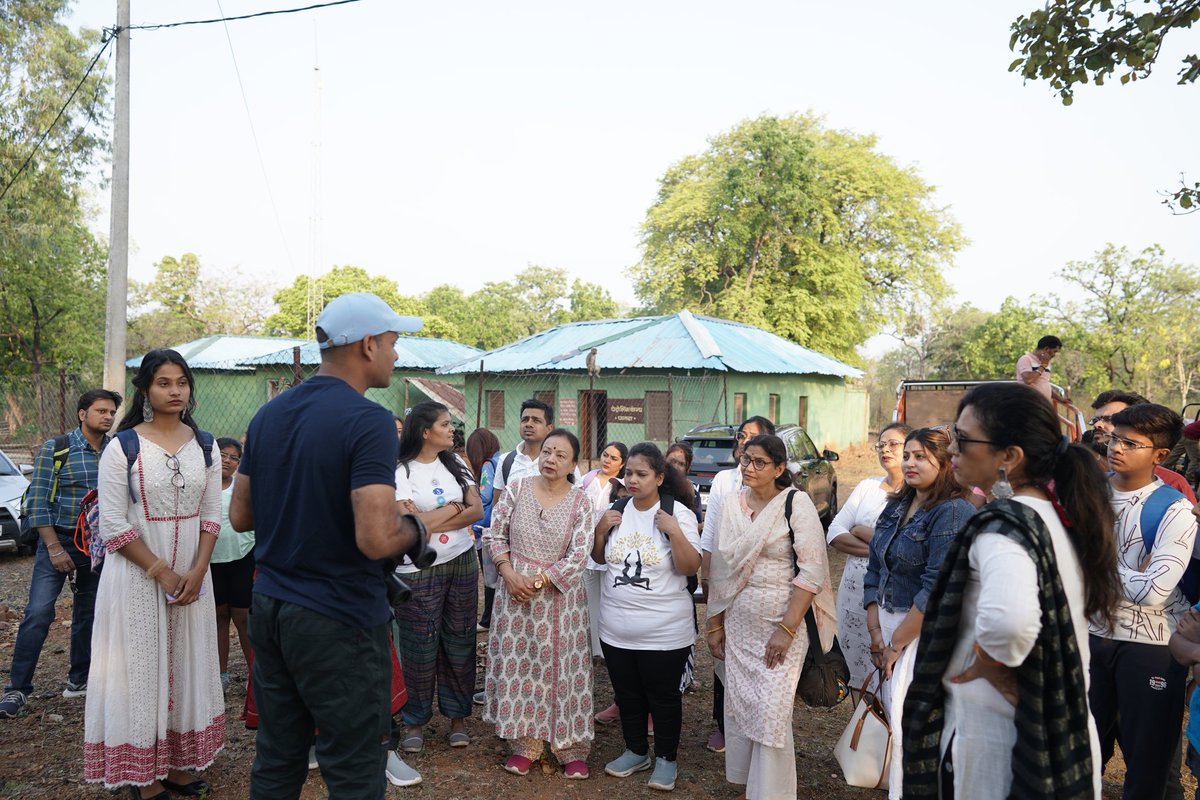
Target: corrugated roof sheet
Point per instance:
(412, 352)
(223, 351)
(674, 341)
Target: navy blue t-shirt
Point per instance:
(306, 450)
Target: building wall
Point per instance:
(837, 414)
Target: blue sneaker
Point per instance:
(12, 703)
(627, 763)
(663, 777)
(399, 773)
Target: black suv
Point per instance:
(812, 471)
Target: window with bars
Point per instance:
(739, 408)
(658, 416)
(495, 410)
(773, 407)
(802, 420)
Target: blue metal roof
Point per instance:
(223, 351)
(674, 341)
(412, 352)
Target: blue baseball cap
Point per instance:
(352, 317)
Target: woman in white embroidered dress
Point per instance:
(539, 670)
(764, 579)
(850, 533)
(154, 704)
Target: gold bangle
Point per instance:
(718, 628)
(498, 564)
(788, 630)
(155, 568)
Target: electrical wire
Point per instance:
(42, 138)
(313, 7)
(254, 135)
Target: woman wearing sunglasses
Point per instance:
(912, 535)
(154, 706)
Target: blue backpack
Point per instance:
(1153, 510)
(88, 523)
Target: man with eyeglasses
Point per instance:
(725, 484)
(1137, 688)
(67, 468)
(1113, 401)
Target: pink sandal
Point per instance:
(576, 770)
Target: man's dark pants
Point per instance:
(312, 671)
(44, 589)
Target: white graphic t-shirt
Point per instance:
(644, 601)
(431, 486)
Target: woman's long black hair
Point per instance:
(675, 483)
(1013, 415)
(421, 418)
(141, 384)
(624, 451)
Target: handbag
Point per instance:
(864, 750)
(825, 677)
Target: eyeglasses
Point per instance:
(1100, 418)
(176, 476)
(879, 447)
(758, 463)
(1119, 442)
(230, 457)
(960, 439)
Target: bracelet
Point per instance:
(982, 655)
(788, 630)
(156, 567)
(59, 553)
(497, 564)
(718, 628)
(873, 630)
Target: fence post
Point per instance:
(479, 396)
(62, 399)
(297, 372)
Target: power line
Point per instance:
(42, 138)
(313, 7)
(254, 135)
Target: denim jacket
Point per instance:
(904, 560)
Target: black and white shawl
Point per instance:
(1052, 757)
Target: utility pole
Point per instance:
(118, 237)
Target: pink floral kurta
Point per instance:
(539, 670)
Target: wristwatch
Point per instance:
(539, 582)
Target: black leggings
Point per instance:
(647, 682)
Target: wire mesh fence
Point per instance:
(629, 405)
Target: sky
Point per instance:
(461, 142)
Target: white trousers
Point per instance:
(768, 773)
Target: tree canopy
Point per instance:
(808, 232)
(52, 269)
(1072, 42)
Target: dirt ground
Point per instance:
(41, 751)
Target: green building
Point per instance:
(237, 375)
(655, 378)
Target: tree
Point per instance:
(52, 277)
(184, 302)
(1072, 42)
(301, 303)
(808, 232)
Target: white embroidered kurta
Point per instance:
(752, 583)
(154, 698)
(539, 668)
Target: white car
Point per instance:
(13, 482)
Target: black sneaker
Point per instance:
(12, 703)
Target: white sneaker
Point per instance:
(399, 773)
(75, 690)
(312, 757)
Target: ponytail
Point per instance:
(1083, 493)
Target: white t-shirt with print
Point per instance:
(644, 601)
(431, 486)
(1151, 601)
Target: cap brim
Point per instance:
(408, 324)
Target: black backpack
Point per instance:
(667, 503)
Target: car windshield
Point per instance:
(711, 455)
(7, 467)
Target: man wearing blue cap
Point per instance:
(317, 485)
